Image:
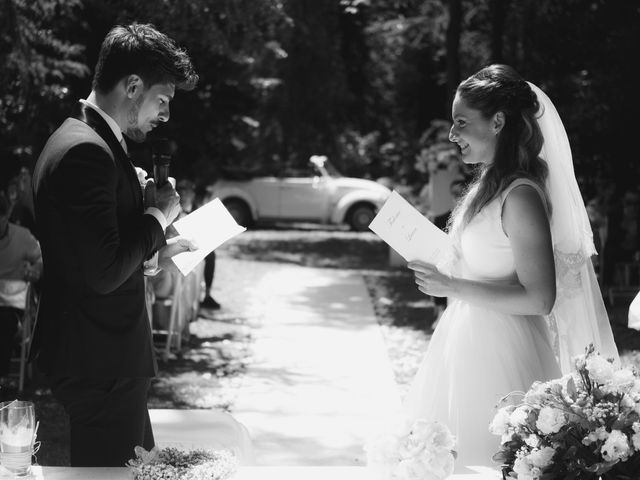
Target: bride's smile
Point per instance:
(475, 135)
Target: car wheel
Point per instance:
(240, 212)
(360, 216)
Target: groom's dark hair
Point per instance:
(142, 50)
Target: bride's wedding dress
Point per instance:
(477, 355)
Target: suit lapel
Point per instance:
(92, 118)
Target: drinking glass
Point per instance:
(17, 432)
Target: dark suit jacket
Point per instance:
(94, 235)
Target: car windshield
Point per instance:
(331, 169)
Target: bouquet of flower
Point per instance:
(583, 426)
(424, 451)
(173, 464)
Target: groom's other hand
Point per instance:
(164, 198)
(173, 247)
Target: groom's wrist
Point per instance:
(158, 215)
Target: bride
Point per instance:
(524, 298)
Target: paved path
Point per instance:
(319, 379)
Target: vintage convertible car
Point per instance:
(316, 193)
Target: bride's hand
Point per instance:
(430, 280)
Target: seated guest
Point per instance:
(20, 196)
(20, 263)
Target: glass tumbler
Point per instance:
(17, 435)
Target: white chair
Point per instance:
(175, 308)
(24, 370)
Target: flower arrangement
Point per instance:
(173, 464)
(583, 426)
(424, 451)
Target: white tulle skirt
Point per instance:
(475, 357)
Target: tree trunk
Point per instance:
(453, 48)
(498, 16)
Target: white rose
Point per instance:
(142, 177)
(411, 447)
(532, 440)
(600, 369)
(621, 381)
(519, 416)
(616, 447)
(442, 464)
(522, 468)
(441, 437)
(550, 420)
(537, 394)
(500, 423)
(432, 435)
(421, 429)
(541, 458)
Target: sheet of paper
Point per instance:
(409, 232)
(209, 227)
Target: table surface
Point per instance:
(247, 473)
(191, 428)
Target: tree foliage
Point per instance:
(361, 81)
(38, 64)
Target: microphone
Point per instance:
(161, 156)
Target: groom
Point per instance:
(92, 337)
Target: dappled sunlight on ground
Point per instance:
(209, 372)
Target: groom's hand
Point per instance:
(164, 198)
(173, 247)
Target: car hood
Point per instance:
(349, 183)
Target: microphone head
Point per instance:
(161, 152)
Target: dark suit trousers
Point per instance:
(108, 418)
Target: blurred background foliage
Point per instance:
(368, 83)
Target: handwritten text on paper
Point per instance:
(409, 232)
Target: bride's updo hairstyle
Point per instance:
(498, 88)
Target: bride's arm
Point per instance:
(526, 225)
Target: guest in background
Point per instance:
(20, 263)
(209, 272)
(436, 196)
(20, 195)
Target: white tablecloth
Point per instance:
(245, 473)
(215, 429)
(188, 429)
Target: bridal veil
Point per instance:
(579, 316)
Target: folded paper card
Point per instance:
(209, 227)
(409, 232)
